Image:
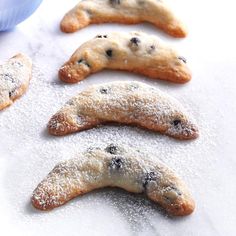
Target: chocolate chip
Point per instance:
(115, 2)
(135, 41)
(150, 176)
(88, 11)
(9, 77)
(176, 122)
(183, 59)
(104, 90)
(17, 63)
(116, 163)
(112, 149)
(109, 52)
(10, 94)
(101, 36)
(151, 49)
(82, 61)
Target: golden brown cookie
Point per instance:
(156, 12)
(114, 166)
(135, 52)
(124, 102)
(15, 75)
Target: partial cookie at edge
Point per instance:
(15, 75)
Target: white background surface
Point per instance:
(208, 164)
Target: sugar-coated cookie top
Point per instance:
(127, 102)
(115, 166)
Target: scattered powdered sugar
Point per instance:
(32, 153)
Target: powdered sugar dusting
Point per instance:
(125, 102)
(46, 151)
(207, 164)
(115, 166)
(14, 74)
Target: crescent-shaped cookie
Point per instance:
(15, 75)
(124, 102)
(156, 12)
(135, 52)
(114, 166)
